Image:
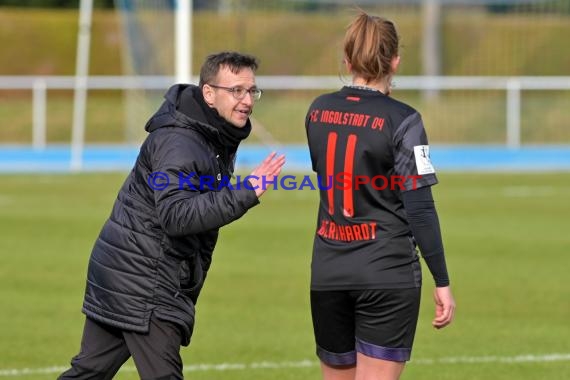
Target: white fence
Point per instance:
(511, 85)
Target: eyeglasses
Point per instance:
(239, 92)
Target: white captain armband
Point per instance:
(423, 162)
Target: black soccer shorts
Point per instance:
(377, 323)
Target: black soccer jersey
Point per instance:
(366, 148)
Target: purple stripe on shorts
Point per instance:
(385, 353)
(331, 358)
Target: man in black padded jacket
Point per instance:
(151, 258)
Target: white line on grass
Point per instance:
(528, 191)
(527, 358)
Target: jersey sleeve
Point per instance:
(424, 223)
(411, 154)
(311, 150)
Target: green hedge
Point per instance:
(43, 41)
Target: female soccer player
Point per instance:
(371, 155)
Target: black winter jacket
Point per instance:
(153, 252)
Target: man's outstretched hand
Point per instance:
(266, 172)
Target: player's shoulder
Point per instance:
(325, 99)
(400, 109)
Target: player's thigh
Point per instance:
(333, 325)
(369, 368)
(386, 323)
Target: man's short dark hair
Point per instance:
(233, 60)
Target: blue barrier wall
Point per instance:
(24, 159)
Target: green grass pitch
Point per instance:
(507, 244)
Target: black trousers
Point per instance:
(104, 349)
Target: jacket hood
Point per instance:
(169, 115)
